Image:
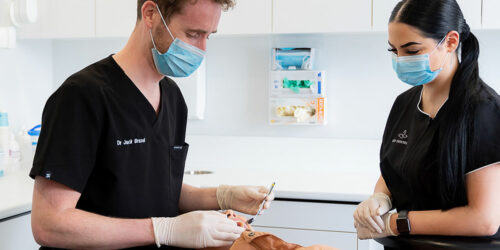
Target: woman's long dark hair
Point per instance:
(435, 19)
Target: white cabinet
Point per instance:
(115, 18)
(382, 10)
(491, 17)
(311, 223)
(247, 17)
(16, 234)
(472, 12)
(309, 215)
(62, 19)
(314, 16)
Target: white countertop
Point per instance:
(16, 191)
(305, 169)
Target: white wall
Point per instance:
(26, 81)
(361, 83)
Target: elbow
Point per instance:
(487, 228)
(491, 229)
(41, 233)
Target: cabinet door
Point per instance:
(247, 17)
(44, 25)
(315, 16)
(309, 215)
(115, 18)
(16, 234)
(472, 12)
(491, 18)
(62, 19)
(309, 238)
(382, 10)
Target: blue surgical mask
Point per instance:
(416, 70)
(180, 60)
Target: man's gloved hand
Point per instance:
(199, 229)
(244, 199)
(365, 233)
(369, 211)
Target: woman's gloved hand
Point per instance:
(365, 233)
(244, 199)
(369, 211)
(199, 229)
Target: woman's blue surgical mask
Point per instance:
(180, 60)
(416, 70)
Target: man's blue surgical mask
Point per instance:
(416, 70)
(181, 59)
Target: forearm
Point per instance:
(381, 187)
(77, 229)
(193, 199)
(460, 221)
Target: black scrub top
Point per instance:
(409, 153)
(101, 137)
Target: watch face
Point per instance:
(403, 225)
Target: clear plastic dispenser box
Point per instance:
(297, 93)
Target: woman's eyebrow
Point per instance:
(409, 44)
(405, 45)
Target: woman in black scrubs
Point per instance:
(440, 155)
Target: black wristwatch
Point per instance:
(403, 223)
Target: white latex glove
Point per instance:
(245, 199)
(365, 233)
(199, 229)
(368, 212)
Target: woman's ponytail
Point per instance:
(457, 134)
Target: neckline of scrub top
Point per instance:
(134, 92)
(426, 114)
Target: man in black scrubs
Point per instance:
(110, 159)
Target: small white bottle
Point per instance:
(25, 144)
(14, 154)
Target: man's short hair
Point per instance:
(171, 7)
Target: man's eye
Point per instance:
(192, 35)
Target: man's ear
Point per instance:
(452, 41)
(149, 10)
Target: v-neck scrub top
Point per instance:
(101, 137)
(409, 159)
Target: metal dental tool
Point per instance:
(251, 220)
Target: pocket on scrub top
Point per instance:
(178, 155)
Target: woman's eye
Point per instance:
(412, 52)
(395, 51)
